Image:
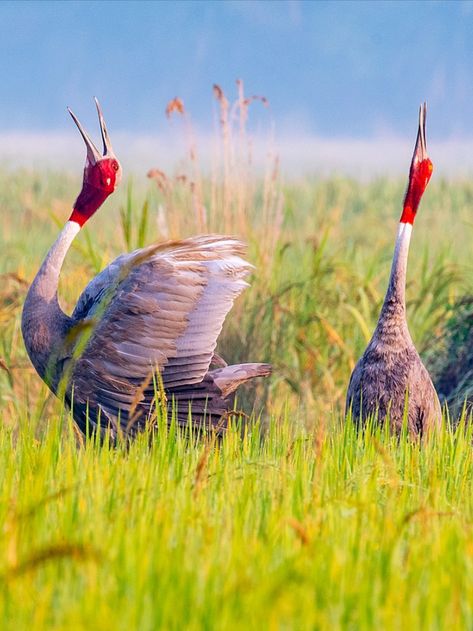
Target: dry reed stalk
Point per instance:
(225, 136)
(242, 189)
(239, 202)
(195, 183)
(166, 216)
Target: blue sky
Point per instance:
(335, 69)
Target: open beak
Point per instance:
(93, 154)
(420, 149)
(107, 145)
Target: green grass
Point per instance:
(302, 530)
(312, 526)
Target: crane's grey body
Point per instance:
(156, 311)
(390, 380)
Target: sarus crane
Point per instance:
(143, 329)
(390, 381)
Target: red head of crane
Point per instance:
(102, 174)
(158, 310)
(419, 173)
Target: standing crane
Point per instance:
(390, 375)
(143, 329)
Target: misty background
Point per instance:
(344, 80)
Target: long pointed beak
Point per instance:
(420, 149)
(107, 145)
(93, 154)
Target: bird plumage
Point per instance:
(144, 331)
(162, 309)
(390, 380)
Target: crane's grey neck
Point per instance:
(393, 311)
(44, 324)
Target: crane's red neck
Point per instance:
(100, 180)
(418, 179)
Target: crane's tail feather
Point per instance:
(229, 378)
(211, 401)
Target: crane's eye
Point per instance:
(115, 166)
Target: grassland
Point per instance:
(310, 527)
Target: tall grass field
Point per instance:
(294, 522)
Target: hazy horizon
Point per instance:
(343, 80)
(309, 155)
(328, 69)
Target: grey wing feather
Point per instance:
(167, 309)
(94, 291)
(225, 281)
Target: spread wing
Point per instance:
(164, 309)
(92, 296)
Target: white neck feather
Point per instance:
(401, 252)
(47, 278)
(395, 301)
